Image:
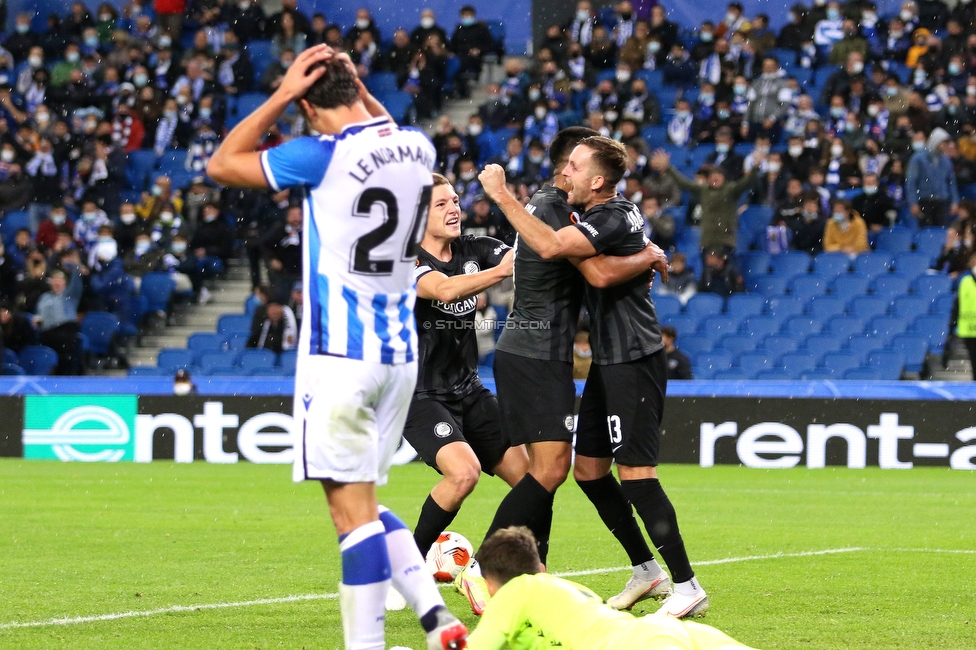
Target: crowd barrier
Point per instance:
(892, 425)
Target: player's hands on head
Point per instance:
(300, 77)
(660, 160)
(492, 180)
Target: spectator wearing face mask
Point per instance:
(846, 231)
(87, 227)
(183, 384)
(725, 157)
(56, 221)
(213, 237)
(283, 251)
(933, 193)
(428, 25)
(158, 200)
(471, 41)
(541, 125)
(875, 207)
(144, 257)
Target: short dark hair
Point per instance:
(566, 140)
(467, 9)
(670, 332)
(509, 553)
(610, 156)
(337, 87)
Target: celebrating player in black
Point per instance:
(453, 419)
(534, 356)
(623, 401)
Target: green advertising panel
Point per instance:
(86, 428)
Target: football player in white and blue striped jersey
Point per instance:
(367, 184)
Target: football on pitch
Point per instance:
(448, 556)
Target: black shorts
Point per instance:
(536, 397)
(434, 423)
(621, 410)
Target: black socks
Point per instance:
(657, 513)
(433, 521)
(615, 511)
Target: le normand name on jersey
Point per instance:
(386, 156)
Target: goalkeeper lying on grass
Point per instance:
(532, 610)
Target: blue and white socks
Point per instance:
(408, 569)
(365, 581)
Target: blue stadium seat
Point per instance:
(790, 263)
(210, 359)
(12, 222)
(847, 287)
(935, 330)
(867, 307)
(222, 371)
(755, 218)
(895, 240)
(776, 374)
(237, 340)
(656, 135)
(100, 327)
(247, 103)
(752, 363)
(140, 162)
(148, 371)
(738, 343)
(908, 308)
(931, 286)
(743, 305)
(914, 347)
(861, 345)
(888, 363)
(843, 327)
(887, 327)
(779, 343)
(796, 363)
(716, 327)
(825, 307)
(38, 360)
(830, 265)
(890, 286)
(233, 323)
(683, 324)
(695, 344)
(930, 241)
(840, 362)
(769, 285)
(732, 374)
(11, 369)
(755, 263)
(863, 374)
(760, 326)
(157, 288)
(785, 306)
(399, 104)
(912, 265)
(381, 82)
(172, 359)
(653, 78)
(8, 356)
(806, 287)
(943, 304)
(820, 344)
(704, 304)
(873, 264)
(708, 363)
(287, 361)
(266, 372)
(205, 342)
(666, 306)
(260, 53)
(819, 374)
(802, 326)
(171, 162)
(254, 358)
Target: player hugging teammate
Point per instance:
(623, 400)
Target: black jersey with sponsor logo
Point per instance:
(548, 293)
(623, 321)
(447, 339)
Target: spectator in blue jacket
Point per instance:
(931, 182)
(57, 318)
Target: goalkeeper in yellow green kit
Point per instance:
(531, 610)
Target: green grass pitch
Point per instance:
(82, 540)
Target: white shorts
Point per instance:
(349, 417)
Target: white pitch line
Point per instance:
(332, 596)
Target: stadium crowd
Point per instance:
(837, 127)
